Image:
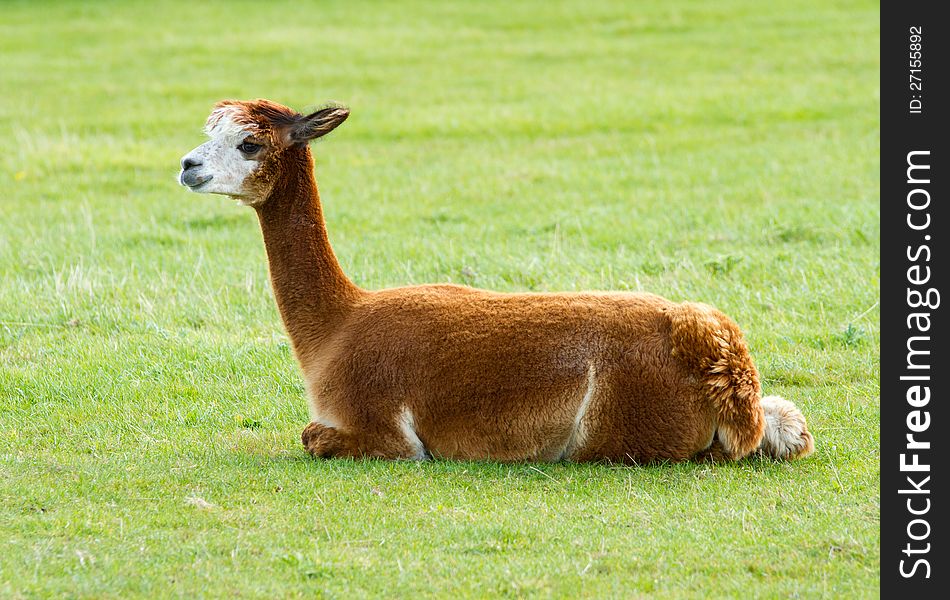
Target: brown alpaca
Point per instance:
(453, 372)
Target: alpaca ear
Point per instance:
(318, 124)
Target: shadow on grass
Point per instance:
(515, 473)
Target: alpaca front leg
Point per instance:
(321, 441)
(327, 442)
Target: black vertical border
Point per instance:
(903, 132)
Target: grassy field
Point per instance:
(150, 409)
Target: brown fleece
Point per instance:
(473, 374)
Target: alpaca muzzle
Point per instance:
(192, 179)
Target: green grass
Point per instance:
(150, 408)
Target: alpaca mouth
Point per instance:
(192, 180)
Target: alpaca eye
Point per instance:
(248, 147)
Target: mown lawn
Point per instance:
(150, 408)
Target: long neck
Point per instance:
(312, 292)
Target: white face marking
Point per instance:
(220, 168)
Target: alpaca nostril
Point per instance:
(187, 163)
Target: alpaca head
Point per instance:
(249, 142)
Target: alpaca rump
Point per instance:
(448, 371)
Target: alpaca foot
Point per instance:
(786, 434)
(715, 453)
(326, 442)
(321, 441)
